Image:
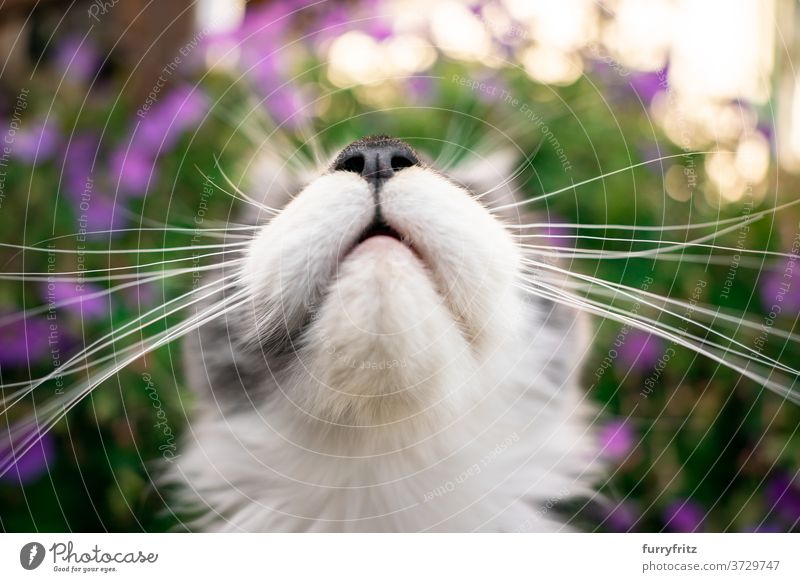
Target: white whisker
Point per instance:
(59, 275)
(689, 226)
(578, 254)
(594, 179)
(114, 335)
(681, 245)
(738, 319)
(20, 315)
(21, 435)
(124, 251)
(785, 389)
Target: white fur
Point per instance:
(422, 396)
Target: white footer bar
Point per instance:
(401, 557)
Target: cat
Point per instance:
(386, 370)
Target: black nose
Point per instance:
(376, 158)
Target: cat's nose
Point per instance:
(376, 158)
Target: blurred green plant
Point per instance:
(694, 446)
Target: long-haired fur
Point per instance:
(386, 383)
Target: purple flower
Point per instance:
(77, 58)
(648, 85)
(557, 236)
(287, 107)
(179, 111)
(262, 30)
(268, 19)
(333, 23)
(422, 89)
(640, 350)
(23, 341)
(766, 129)
(684, 516)
(132, 170)
(622, 517)
(78, 162)
(617, 439)
(184, 108)
(379, 29)
(37, 142)
(141, 296)
(602, 70)
(652, 150)
(492, 89)
(103, 215)
(764, 527)
(781, 286)
(783, 495)
(82, 299)
(150, 135)
(266, 74)
(26, 467)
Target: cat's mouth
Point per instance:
(381, 228)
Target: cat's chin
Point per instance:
(383, 346)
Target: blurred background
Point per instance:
(120, 118)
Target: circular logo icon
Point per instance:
(31, 555)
